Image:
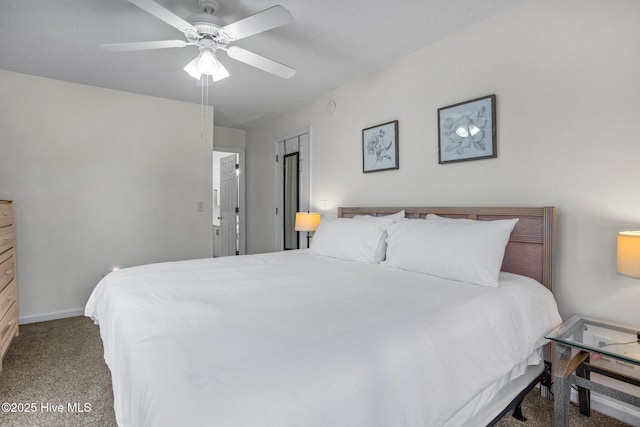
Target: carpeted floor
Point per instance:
(57, 363)
(56, 370)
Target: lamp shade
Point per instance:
(307, 221)
(629, 253)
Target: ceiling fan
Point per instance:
(211, 34)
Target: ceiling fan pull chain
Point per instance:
(204, 107)
(202, 113)
(206, 97)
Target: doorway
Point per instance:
(228, 202)
(292, 187)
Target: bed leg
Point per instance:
(517, 412)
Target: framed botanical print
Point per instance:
(467, 130)
(380, 147)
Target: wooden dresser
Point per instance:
(8, 283)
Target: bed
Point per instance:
(305, 338)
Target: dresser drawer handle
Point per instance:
(5, 213)
(6, 239)
(8, 272)
(10, 297)
(8, 327)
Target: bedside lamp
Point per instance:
(629, 253)
(307, 221)
(629, 256)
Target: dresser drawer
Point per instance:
(8, 296)
(7, 268)
(6, 214)
(8, 329)
(7, 238)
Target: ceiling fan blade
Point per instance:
(130, 47)
(165, 15)
(262, 21)
(261, 62)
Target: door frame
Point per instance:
(242, 217)
(304, 199)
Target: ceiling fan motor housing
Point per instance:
(207, 23)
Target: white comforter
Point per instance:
(296, 339)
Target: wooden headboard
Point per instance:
(530, 248)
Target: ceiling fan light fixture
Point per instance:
(220, 73)
(208, 63)
(193, 69)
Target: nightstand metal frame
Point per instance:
(575, 369)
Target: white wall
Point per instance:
(230, 137)
(100, 178)
(566, 78)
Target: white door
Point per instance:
(228, 206)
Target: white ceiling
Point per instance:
(330, 42)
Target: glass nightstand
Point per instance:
(606, 340)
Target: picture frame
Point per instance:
(467, 130)
(380, 147)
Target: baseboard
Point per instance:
(23, 320)
(618, 410)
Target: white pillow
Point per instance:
(381, 250)
(398, 216)
(349, 239)
(434, 217)
(464, 250)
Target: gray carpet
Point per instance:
(60, 363)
